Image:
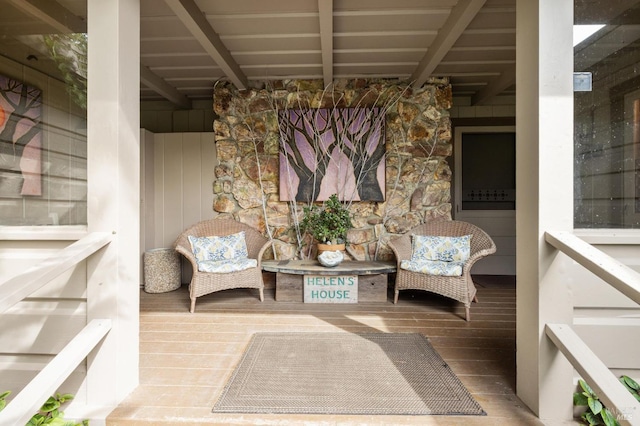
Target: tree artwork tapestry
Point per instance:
(332, 151)
(20, 139)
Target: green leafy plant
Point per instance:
(632, 386)
(49, 413)
(596, 413)
(327, 223)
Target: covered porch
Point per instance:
(154, 362)
(186, 359)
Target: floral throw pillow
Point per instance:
(228, 247)
(445, 249)
(225, 266)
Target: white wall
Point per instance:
(178, 174)
(606, 320)
(37, 328)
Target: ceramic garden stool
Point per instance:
(161, 270)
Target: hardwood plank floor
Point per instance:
(186, 359)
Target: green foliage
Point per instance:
(596, 413)
(328, 223)
(69, 52)
(632, 386)
(49, 413)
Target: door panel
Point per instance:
(484, 190)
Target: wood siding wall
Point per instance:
(178, 173)
(606, 320)
(37, 328)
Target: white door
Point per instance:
(484, 190)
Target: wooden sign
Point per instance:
(331, 289)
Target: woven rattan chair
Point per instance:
(459, 288)
(207, 282)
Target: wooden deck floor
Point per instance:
(185, 359)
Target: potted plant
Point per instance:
(327, 224)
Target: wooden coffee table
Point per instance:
(372, 277)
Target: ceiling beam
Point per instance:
(459, 18)
(325, 9)
(192, 17)
(53, 14)
(161, 87)
(506, 79)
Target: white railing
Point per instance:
(604, 383)
(12, 291)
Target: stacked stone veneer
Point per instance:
(418, 141)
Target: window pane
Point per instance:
(607, 116)
(43, 143)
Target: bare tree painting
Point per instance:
(332, 151)
(20, 139)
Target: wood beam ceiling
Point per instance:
(506, 79)
(325, 9)
(459, 18)
(164, 89)
(192, 17)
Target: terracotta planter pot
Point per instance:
(330, 247)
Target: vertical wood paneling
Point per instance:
(209, 160)
(181, 121)
(147, 195)
(173, 188)
(196, 121)
(158, 184)
(182, 176)
(192, 182)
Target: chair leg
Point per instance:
(193, 305)
(467, 313)
(395, 296)
(262, 295)
(475, 298)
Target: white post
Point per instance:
(544, 182)
(113, 288)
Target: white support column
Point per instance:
(544, 165)
(113, 287)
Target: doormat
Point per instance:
(342, 373)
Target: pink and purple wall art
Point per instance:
(332, 151)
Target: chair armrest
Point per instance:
(401, 247)
(261, 253)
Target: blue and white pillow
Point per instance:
(224, 266)
(228, 247)
(445, 249)
(433, 267)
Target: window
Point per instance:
(607, 117)
(43, 121)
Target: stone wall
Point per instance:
(418, 142)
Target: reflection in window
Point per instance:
(43, 142)
(607, 119)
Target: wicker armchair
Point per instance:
(206, 282)
(459, 288)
